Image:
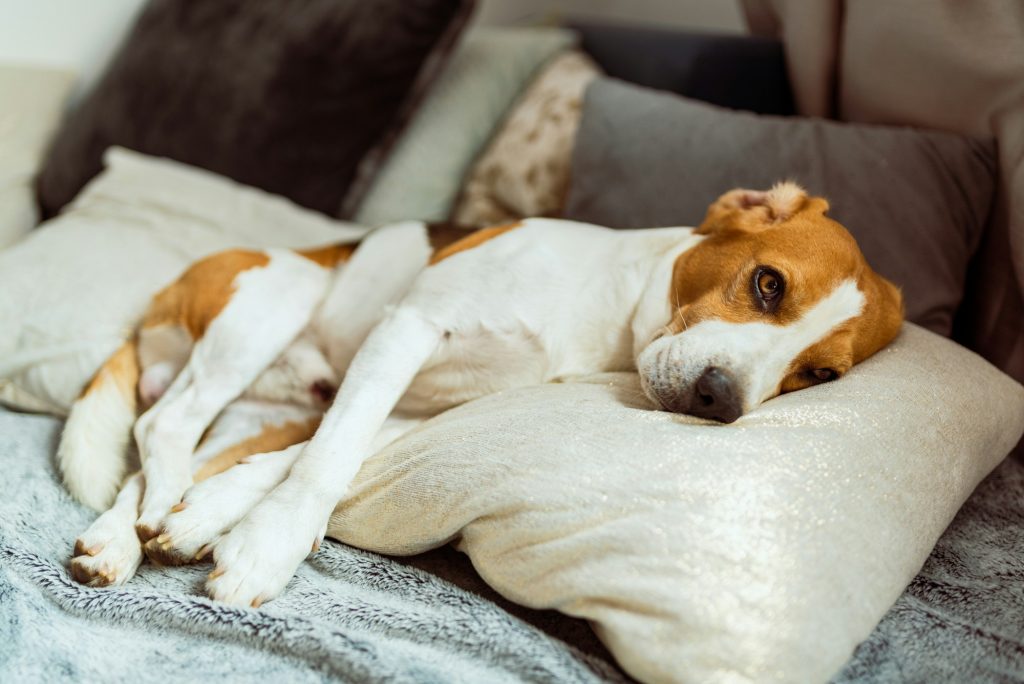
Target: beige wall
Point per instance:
(76, 34)
(704, 15)
(82, 34)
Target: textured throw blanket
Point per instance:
(356, 616)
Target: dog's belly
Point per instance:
(475, 363)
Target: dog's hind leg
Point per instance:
(231, 482)
(260, 554)
(268, 308)
(109, 552)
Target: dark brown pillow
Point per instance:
(916, 201)
(301, 99)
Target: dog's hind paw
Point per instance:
(108, 553)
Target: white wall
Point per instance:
(81, 34)
(702, 15)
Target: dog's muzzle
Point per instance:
(715, 395)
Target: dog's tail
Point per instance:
(93, 451)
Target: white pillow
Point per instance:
(765, 550)
(31, 104)
(486, 73)
(72, 291)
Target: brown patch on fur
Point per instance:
(331, 255)
(789, 232)
(202, 291)
(474, 239)
(122, 368)
(834, 352)
(271, 438)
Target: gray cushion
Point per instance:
(916, 201)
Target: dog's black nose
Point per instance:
(717, 396)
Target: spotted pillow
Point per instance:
(525, 169)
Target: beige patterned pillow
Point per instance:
(525, 169)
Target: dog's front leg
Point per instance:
(257, 558)
(268, 308)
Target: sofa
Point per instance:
(357, 615)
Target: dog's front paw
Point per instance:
(108, 553)
(159, 501)
(215, 505)
(255, 561)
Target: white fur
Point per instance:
(112, 537)
(547, 300)
(94, 444)
(543, 303)
(289, 379)
(215, 505)
(379, 274)
(163, 351)
(270, 307)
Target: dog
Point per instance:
(768, 295)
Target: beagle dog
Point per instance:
(237, 362)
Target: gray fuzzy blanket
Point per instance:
(356, 616)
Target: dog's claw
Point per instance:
(179, 507)
(217, 572)
(82, 550)
(204, 552)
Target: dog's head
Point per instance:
(776, 297)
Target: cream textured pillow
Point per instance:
(31, 104)
(73, 289)
(486, 73)
(762, 551)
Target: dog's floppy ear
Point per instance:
(883, 315)
(752, 210)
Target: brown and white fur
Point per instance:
(768, 295)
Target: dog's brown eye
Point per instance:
(824, 374)
(768, 286)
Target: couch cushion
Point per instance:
(759, 551)
(300, 99)
(916, 201)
